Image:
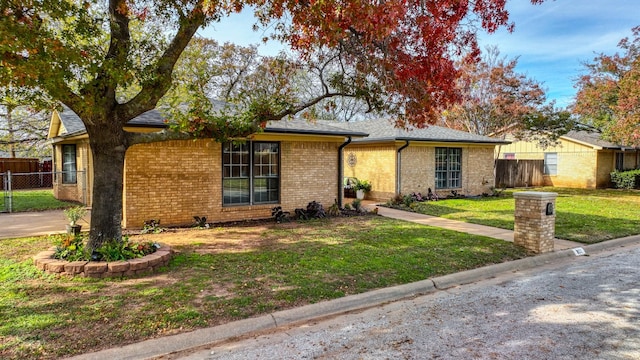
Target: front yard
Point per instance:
(223, 274)
(220, 275)
(586, 216)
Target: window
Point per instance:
(448, 168)
(551, 163)
(250, 173)
(69, 168)
(620, 161)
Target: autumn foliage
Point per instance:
(111, 61)
(609, 93)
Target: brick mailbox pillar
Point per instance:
(535, 220)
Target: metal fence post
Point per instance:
(8, 202)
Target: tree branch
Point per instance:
(154, 90)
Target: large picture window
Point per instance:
(448, 168)
(250, 173)
(69, 167)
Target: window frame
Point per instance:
(619, 161)
(551, 168)
(453, 166)
(252, 174)
(69, 168)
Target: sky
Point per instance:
(552, 41)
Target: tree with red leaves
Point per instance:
(609, 94)
(84, 54)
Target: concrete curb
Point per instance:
(155, 348)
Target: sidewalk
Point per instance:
(36, 223)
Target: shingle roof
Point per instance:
(154, 118)
(381, 130)
(299, 126)
(592, 137)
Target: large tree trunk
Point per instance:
(108, 146)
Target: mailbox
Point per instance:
(549, 209)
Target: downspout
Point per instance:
(341, 171)
(399, 166)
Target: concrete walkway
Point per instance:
(53, 221)
(24, 224)
(460, 226)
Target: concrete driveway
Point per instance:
(25, 224)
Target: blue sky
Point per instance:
(551, 40)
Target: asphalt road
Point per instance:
(585, 308)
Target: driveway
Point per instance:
(25, 224)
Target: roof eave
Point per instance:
(375, 140)
(314, 132)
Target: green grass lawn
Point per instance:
(587, 216)
(34, 200)
(220, 275)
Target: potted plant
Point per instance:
(362, 187)
(74, 214)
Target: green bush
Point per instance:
(73, 248)
(69, 247)
(364, 185)
(626, 179)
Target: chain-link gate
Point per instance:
(17, 182)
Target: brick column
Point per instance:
(535, 221)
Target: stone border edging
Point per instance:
(102, 269)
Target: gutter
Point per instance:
(399, 166)
(341, 171)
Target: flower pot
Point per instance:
(360, 194)
(74, 229)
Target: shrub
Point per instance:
(74, 214)
(69, 247)
(152, 226)
(364, 185)
(626, 179)
(123, 250)
(73, 248)
(357, 205)
(407, 200)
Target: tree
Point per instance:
(493, 95)
(23, 122)
(608, 96)
(110, 62)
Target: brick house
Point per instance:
(404, 161)
(290, 164)
(580, 159)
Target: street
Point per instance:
(584, 308)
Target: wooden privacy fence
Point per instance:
(519, 173)
(19, 165)
(34, 173)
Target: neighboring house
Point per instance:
(290, 164)
(581, 159)
(404, 161)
